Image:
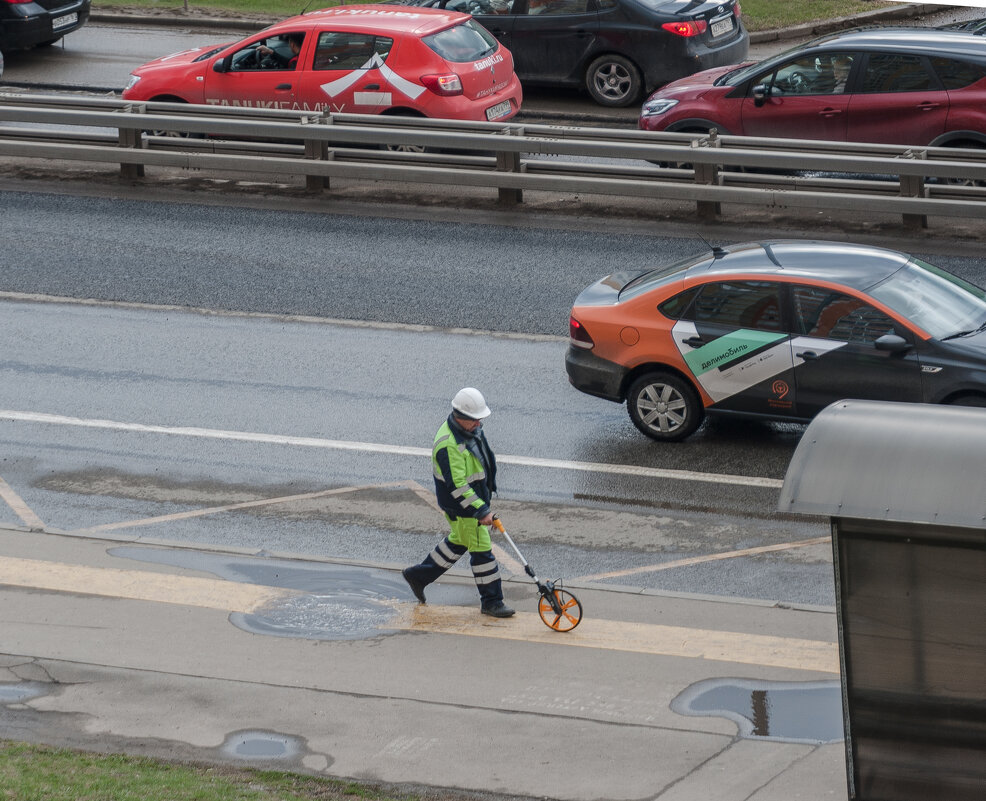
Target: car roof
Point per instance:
(930, 41)
(855, 266)
(375, 18)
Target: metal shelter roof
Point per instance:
(908, 462)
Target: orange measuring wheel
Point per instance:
(559, 609)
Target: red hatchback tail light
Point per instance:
(686, 28)
(446, 85)
(578, 335)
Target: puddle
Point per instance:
(261, 745)
(20, 692)
(796, 712)
(335, 602)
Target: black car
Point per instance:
(615, 49)
(39, 22)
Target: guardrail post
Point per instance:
(707, 174)
(509, 161)
(132, 139)
(913, 186)
(317, 151)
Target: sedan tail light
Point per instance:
(18, 2)
(737, 11)
(686, 28)
(578, 335)
(443, 84)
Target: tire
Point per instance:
(664, 407)
(614, 81)
(965, 181)
(978, 401)
(404, 148)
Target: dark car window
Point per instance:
(676, 306)
(738, 304)
(481, 6)
(272, 53)
(824, 74)
(827, 314)
(555, 7)
(957, 74)
(894, 72)
(338, 50)
(469, 41)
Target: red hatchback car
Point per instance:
(353, 59)
(905, 86)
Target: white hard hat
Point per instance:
(469, 402)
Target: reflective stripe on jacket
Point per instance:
(465, 471)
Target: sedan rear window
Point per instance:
(937, 301)
(469, 41)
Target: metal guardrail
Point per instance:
(705, 169)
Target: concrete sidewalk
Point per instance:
(331, 668)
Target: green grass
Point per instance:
(759, 15)
(40, 773)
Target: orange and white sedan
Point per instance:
(777, 330)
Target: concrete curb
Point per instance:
(249, 25)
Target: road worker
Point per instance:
(465, 480)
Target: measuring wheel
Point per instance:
(559, 609)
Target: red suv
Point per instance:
(903, 86)
(355, 59)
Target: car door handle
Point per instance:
(371, 86)
(282, 87)
(829, 112)
(808, 355)
(695, 342)
(928, 106)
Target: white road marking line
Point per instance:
(714, 557)
(232, 507)
(414, 328)
(398, 450)
(21, 509)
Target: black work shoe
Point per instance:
(416, 588)
(498, 609)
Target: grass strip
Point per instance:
(759, 15)
(41, 773)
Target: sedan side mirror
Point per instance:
(892, 343)
(221, 66)
(759, 94)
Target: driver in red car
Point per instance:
(275, 60)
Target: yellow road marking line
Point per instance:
(21, 509)
(714, 557)
(642, 638)
(139, 585)
(212, 510)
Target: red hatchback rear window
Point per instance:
(469, 41)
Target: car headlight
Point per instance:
(133, 82)
(654, 108)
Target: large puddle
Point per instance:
(797, 712)
(334, 602)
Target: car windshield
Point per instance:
(660, 276)
(469, 41)
(933, 299)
